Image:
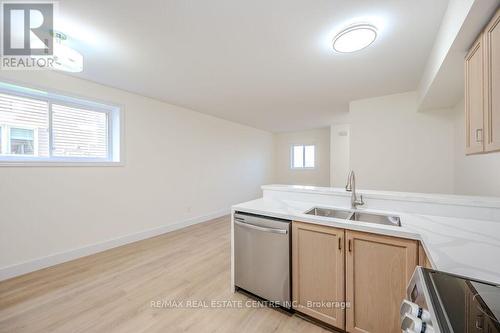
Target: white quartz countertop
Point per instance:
(462, 246)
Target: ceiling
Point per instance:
(267, 64)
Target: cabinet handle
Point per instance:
(350, 246)
(480, 322)
(479, 135)
(340, 243)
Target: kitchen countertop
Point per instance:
(462, 246)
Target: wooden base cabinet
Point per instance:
(378, 269)
(368, 272)
(318, 272)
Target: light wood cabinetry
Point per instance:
(474, 110)
(491, 41)
(318, 272)
(366, 271)
(482, 91)
(378, 269)
(476, 320)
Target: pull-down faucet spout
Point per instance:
(351, 187)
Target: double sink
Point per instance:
(391, 220)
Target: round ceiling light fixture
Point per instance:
(66, 58)
(354, 38)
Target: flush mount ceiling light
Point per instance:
(354, 38)
(66, 58)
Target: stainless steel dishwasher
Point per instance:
(262, 257)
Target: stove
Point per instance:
(439, 302)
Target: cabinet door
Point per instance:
(474, 99)
(318, 272)
(491, 43)
(474, 317)
(378, 269)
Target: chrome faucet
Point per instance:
(351, 187)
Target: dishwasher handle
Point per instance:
(263, 229)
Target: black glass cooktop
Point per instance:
(464, 305)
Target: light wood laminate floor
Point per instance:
(112, 291)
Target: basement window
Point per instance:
(303, 156)
(39, 127)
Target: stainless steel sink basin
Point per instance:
(391, 220)
(334, 213)
(376, 218)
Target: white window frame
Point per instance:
(114, 121)
(303, 145)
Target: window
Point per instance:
(37, 126)
(22, 141)
(79, 132)
(303, 156)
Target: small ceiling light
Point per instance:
(354, 38)
(65, 58)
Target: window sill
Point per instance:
(59, 164)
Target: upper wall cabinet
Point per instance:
(482, 91)
(492, 84)
(474, 108)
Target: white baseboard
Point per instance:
(58, 258)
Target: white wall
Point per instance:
(475, 174)
(284, 174)
(180, 166)
(394, 147)
(339, 154)
(454, 17)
